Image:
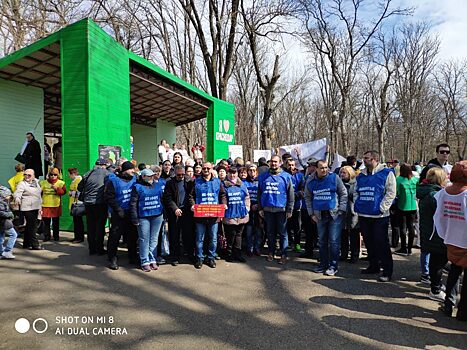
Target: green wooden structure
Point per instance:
(95, 92)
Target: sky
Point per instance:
(449, 21)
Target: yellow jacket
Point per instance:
(73, 189)
(15, 180)
(51, 198)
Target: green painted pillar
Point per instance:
(220, 130)
(95, 98)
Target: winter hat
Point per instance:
(127, 166)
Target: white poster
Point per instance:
(235, 151)
(316, 149)
(258, 153)
(338, 159)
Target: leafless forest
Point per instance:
(362, 73)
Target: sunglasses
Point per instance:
(27, 175)
(53, 175)
(444, 152)
(206, 168)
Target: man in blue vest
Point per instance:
(206, 190)
(374, 193)
(117, 195)
(326, 202)
(276, 203)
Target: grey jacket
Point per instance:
(5, 212)
(351, 217)
(341, 203)
(92, 186)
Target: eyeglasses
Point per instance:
(206, 168)
(53, 175)
(444, 152)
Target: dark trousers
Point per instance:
(181, 226)
(350, 240)
(55, 227)
(375, 236)
(452, 287)
(394, 226)
(293, 228)
(311, 232)
(436, 263)
(233, 234)
(30, 233)
(406, 225)
(122, 227)
(78, 228)
(96, 217)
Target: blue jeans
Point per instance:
(209, 228)
(253, 238)
(424, 262)
(11, 240)
(148, 232)
(276, 224)
(329, 237)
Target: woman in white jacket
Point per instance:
(28, 196)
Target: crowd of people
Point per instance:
(151, 210)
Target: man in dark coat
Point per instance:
(32, 153)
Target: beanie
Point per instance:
(127, 165)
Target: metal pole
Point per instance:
(257, 118)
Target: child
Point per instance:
(6, 225)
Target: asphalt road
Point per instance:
(257, 305)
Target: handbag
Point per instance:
(20, 158)
(457, 255)
(77, 208)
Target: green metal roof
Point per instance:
(155, 93)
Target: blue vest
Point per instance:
(207, 192)
(122, 191)
(236, 201)
(150, 198)
(324, 192)
(274, 189)
(370, 189)
(252, 187)
(296, 180)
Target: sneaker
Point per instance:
(318, 269)
(331, 271)
(270, 257)
(8, 255)
(298, 248)
(154, 266)
(283, 260)
(161, 260)
(175, 262)
(146, 268)
(425, 279)
(402, 252)
(211, 263)
(440, 296)
(446, 309)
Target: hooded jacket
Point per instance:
(5, 212)
(430, 241)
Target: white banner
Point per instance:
(258, 153)
(235, 151)
(315, 149)
(338, 159)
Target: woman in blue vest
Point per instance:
(326, 202)
(236, 215)
(254, 236)
(146, 213)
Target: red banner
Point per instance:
(209, 210)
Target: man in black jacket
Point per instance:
(91, 190)
(175, 200)
(32, 153)
(441, 161)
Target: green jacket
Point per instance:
(406, 190)
(430, 241)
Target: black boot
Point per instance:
(113, 264)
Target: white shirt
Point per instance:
(162, 153)
(451, 218)
(170, 155)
